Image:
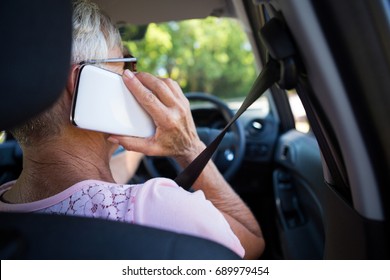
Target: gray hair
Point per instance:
(93, 32)
(94, 35)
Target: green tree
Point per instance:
(211, 55)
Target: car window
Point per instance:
(211, 55)
(2, 136)
(299, 113)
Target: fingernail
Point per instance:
(129, 74)
(113, 140)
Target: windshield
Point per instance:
(211, 55)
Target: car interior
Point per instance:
(320, 192)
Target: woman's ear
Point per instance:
(71, 83)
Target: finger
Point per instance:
(158, 87)
(144, 95)
(174, 87)
(141, 145)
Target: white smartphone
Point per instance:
(102, 102)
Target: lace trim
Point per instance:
(113, 202)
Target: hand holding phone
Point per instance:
(102, 102)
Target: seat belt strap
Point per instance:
(268, 76)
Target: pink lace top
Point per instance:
(157, 203)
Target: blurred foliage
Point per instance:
(132, 32)
(2, 136)
(210, 55)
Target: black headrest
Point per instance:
(34, 56)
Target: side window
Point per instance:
(301, 122)
(2, 136)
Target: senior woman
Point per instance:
(66, 169)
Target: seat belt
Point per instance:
(268, 76)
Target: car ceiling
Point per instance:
(146, 11)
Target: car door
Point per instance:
(328, 183)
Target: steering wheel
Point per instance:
(227, 158)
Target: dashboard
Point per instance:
(259, 124)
